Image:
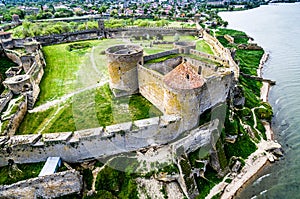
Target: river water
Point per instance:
(276, 28)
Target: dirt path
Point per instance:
(48, 122)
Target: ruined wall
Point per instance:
(50, 186)
(27, 61)
(151, 86)
(5, 97)
(162, 54)
(91, 143)
(166, 66)
(185, 47)
(229, 38)
(16, 118)
(23, 85)
(13, 55)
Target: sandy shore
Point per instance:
(256, 161)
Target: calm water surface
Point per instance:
(276, 28)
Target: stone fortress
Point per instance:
(182, 88)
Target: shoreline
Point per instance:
(258, 159)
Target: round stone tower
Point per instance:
(122, 68)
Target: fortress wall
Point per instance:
(216, 91)
(19, 43)
(211, 57)
(223, 52)
(202, 68)
(191, 103)
(151, 86)
(9, 44)
(166, 66)
(162, 54)
(141, 31)
(49, 186)
(186, 103)
(184, 47)
(68, 37)
(92, 143)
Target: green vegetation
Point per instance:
(88, 178)
(5, 64)
(89, 109)
(205, 185)
(249, 60)
(15, 173)
(186, 170)
(30, 29)
(239, 36)
(116, 184)
(202, 46)
(70, 67)
(161, 59)
(242, 147)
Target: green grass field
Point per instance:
(68, 71)
(89, 109)
(202, 46)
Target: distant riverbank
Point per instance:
(276, 28)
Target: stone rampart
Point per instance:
(151, 31)
(162, 42)
(49, 186)
(69, 37)
(92, 143)
(224, 62)
(159, 55)
(222, 52)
